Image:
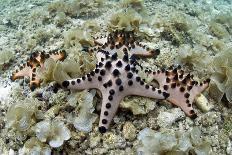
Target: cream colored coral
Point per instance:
(20, 114)
(34, 146)
(53, 131)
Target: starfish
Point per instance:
(115, 78)
(182, 88)
(29, 69)
(124, 41)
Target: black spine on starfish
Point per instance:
(115, 78)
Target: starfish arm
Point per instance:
(108, 110)
(181, 87)
(140, 88)
(91, 80)
(26, 71)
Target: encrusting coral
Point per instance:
(53, 131)
(118, 77)
(36, 59)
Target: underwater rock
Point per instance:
(138, 105)
(165, 142)
(155, 143)
(203, 103)
(167, 118)
(34, 146)
(55, 132)
(129, 131)
(112, 140)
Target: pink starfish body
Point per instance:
(115, 78)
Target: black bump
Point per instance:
(108, 105)
(108, 65)
(186, 95)
(65, 84)
(121, 88)
(114, 56)
(99, 78)
(129, 75)
(118, 81)
(194, 115)
(104, 121)
(105, 85)
(110, 98)
(92, 73)
(166, 95)
(130, 82)
(127, 68)
(165, 87)
(96, 70)
(173, 85)
(137, 78)
(33, 86)
(147, 86)
(111, 92)
(189, 88)
(141, 82)
(102, 72)
(116, 72)
(89, 79)
(106, 113)
(119, 64)
(83, 77)
(168, 80)
(100, 64)
(125, 58)
(73, 82)
(109, 83)
(102, 129)
(182, 89)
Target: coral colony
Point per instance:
(36, 59)
(116, 76)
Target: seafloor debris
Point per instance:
(36, 59)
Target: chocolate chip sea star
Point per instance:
(115, 78)
(181, 86)
(29, 69)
